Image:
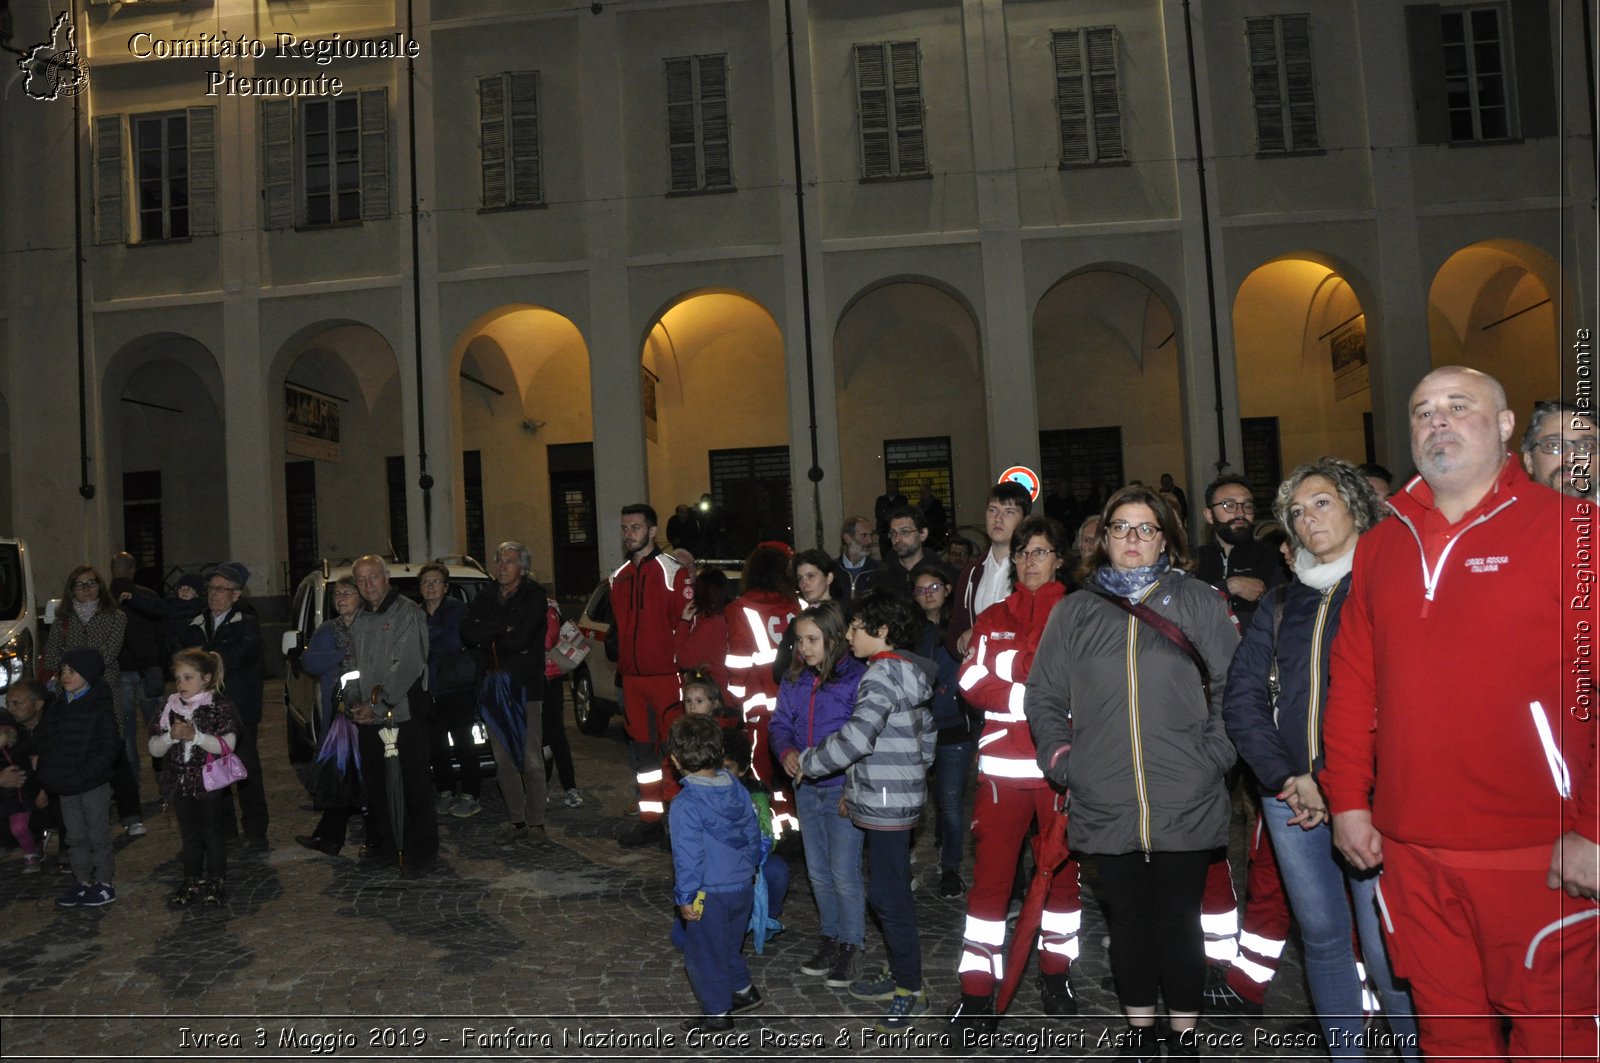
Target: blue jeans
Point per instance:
(951, 765)
(833, 862)
(1315, 877)
(712, 948)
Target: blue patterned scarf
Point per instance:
(1129, 582)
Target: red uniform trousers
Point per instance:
(1480, 942)
(1001, 817)
(645, 699)
(1266, 921)
(1219, 912)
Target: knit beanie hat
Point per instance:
(87, 662)
(194, 581)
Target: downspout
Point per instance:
(85, 487)
(815, 473)
(424, 480)
(1205, 232)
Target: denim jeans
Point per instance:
(1315, 877)
(951, 764)
(833, 862)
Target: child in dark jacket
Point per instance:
(716, 845)
(78, 744)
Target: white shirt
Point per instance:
(995, 584)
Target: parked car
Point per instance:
(313, 603)
(19, 635)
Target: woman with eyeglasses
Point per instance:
(1125, 701)
(329, 656)
(1013, 792)
(1276, 689)
(952, 756)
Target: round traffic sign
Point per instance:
(1025, 476)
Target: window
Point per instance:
(1281, 83)
(326, 161)
(472, 490)
(915, 464)
(1482, 73)
(698, 147)
(889, 110)
(141, 519)
(1088, 459)
(174, 175)
(750, 490)
(508, 139)
(399, 537)
(1088, 98)
(1263, 461)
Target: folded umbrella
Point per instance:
(1050, 854)
(394, 785)
(502, 706)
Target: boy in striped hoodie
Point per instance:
(887, 746)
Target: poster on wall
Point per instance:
(1348, 348)
(311, 424)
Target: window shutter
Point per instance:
(1103, 94)
(277, 163)
(1426, 46)
(492, 138)
(109, 224)
(714, 137)
(1070, 111)
(911, 154)
(1299, 79)
(1536, 88)
(374, 154)
(683, 165)
(872, 110)
(527, 184)
(1261, 40)
(202, 171)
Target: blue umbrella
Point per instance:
(502, 705)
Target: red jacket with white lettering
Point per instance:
(647, 600)
(756, 623)
(993, 675)
(1429, 721)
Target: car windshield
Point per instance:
(462, 588)
(11, 594)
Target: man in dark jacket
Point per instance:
(228, 628)
(1236, 564)
(138, 672)
(505, 629)
(855, 571)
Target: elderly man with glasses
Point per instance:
(1558, 448)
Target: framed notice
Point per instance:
(311, 424)
(1348, 348)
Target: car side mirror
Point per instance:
(291, 642)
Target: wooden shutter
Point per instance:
(1261, 42)
(1104, 95)
(202, 171)
(1536, 87)
(714, 139)
(872, 110)
(527, 181)
(1299, 81)
(277, 163)
(1067, 48)
(492, 138)
(911, 153)
(683, 161)
(374, 154)
(1426, 48)
(109, 173)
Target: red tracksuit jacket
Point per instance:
(648, 600)
(993, 675)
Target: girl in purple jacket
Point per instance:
(816, 697)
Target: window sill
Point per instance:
(1299, 153)
(322, 227)
(510, 207)
(1498, 143)
(690, 193)
(161, 242)
(892, 178)
(1108, 164)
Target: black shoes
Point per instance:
(316, 844)
(970, 1019)
(950, 884)
(1222, 999)
(820, 961)
(1056, 996)
(704, 1024)
(746, 999)
(644, 833)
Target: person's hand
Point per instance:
(124, 596)
(41, 800)
(688, 611)
(688, 913)
(182, 731)
(363, 713)
(791, 764)
(961, 643)
(1575, 866)
(1356, 837)
(844, 813)
(1247, 587)
(1301, 794)
(12, 777)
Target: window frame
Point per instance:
(521, 143)
(700, 144)
(1507, 73)
(166, 181)
(903, 133)
(1283, 69)
(1082, 43)
(336, 189)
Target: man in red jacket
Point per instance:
(1461, 749)
(648, 594)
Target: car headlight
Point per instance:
(11, 665)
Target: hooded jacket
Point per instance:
(716, 841)
(77, 741)
(1430, 719)
(1000, 654)
(809, 710)
(1121, 719)
(887, 744)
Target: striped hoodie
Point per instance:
(886, 745)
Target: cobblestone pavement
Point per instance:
(555, 952)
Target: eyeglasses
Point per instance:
(1581, 447)
(927, 590)
(1230, 507)
(85, 584)
(344, 593)
(435, 582)
(219, 588)
(1036, 555)
(1121, 529)
(903, 533)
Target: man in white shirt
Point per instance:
(988, 579)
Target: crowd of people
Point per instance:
(1384, 670)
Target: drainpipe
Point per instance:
(424, 480)
(815, 473)
(85, 487)
(1205, 231)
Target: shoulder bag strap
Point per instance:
(1166, 628)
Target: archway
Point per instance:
(1110, 408)
(908, 371)
(716, 420)
(525, 429)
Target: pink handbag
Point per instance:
(219, 773)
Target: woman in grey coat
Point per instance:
(1125, 702)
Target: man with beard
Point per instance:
(855, 570)
(1558, 448)
(1236, 564)
(908, 533)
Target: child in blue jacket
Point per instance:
(716, 845)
